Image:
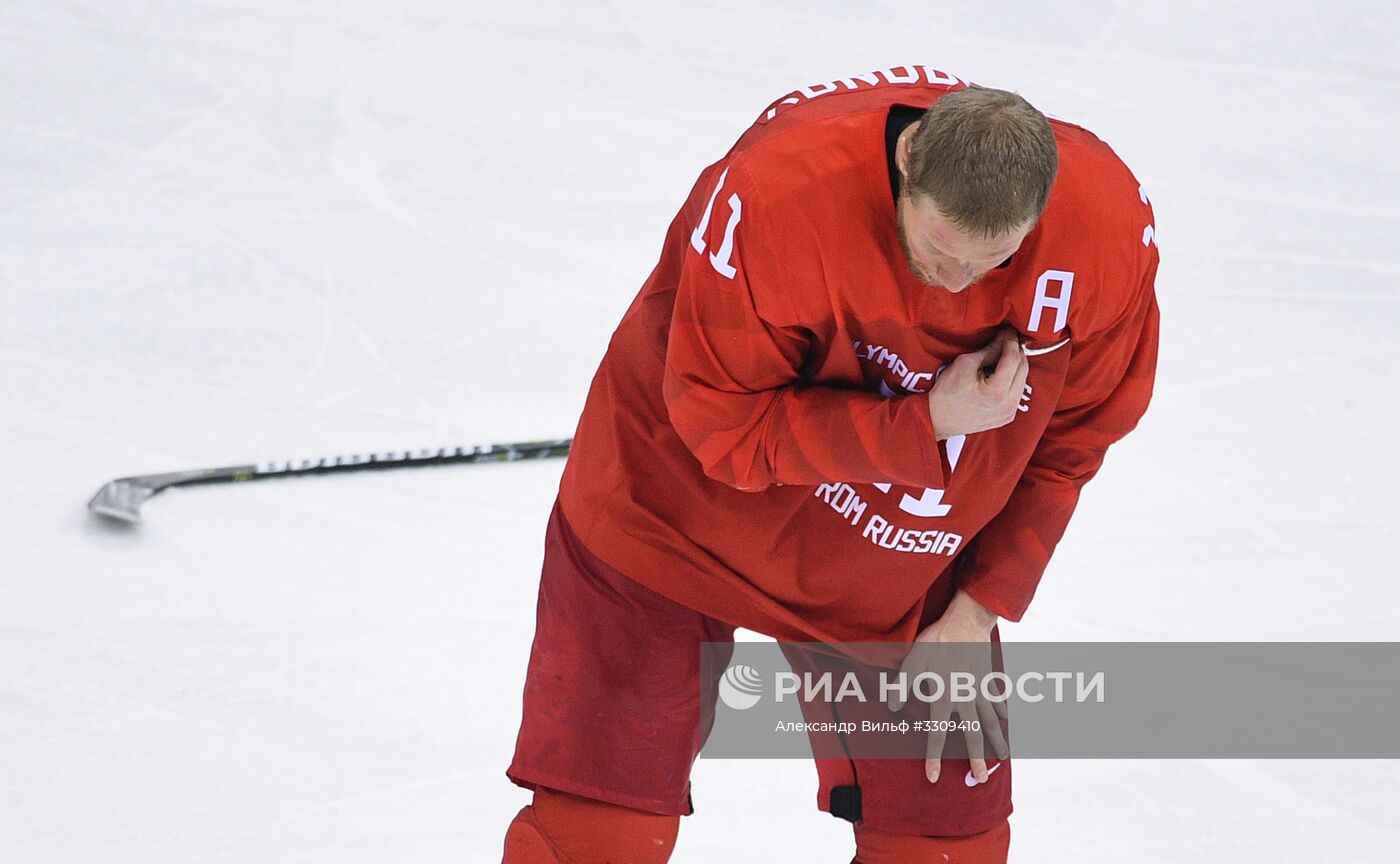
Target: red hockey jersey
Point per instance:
(757, 442)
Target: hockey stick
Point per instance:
(122, 498)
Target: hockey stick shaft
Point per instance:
(122, 498)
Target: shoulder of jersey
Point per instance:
(776, 235)
(1099, 224)
(812, 138)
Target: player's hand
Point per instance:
(960, 641)
(981, 390)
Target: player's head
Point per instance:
(977, 170)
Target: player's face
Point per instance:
(941, 254)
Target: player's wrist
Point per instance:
(970, 614)
(933, 416)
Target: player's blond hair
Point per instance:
(986, 157)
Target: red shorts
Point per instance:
(613, 710)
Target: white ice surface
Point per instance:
(233, 231)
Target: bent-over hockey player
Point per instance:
(897, 287)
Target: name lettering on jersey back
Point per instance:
(895, 75)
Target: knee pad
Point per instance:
(565, 829)
(879, 847)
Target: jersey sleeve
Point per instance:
(1109, 385)
(733, 381)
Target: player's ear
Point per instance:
(904, 149)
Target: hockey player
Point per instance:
(891, 335)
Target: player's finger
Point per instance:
(933, 766)
(978, 769)
(991, 727)
(972, 736)
(1010, 352)
(989, 352)
(1023, 369)
(984, 359)
(933, 748)
(896, 700)
(907, 671)
(997, 694)
(1017, 366)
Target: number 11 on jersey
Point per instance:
(722, 258)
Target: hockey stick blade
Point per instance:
(121, 499)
